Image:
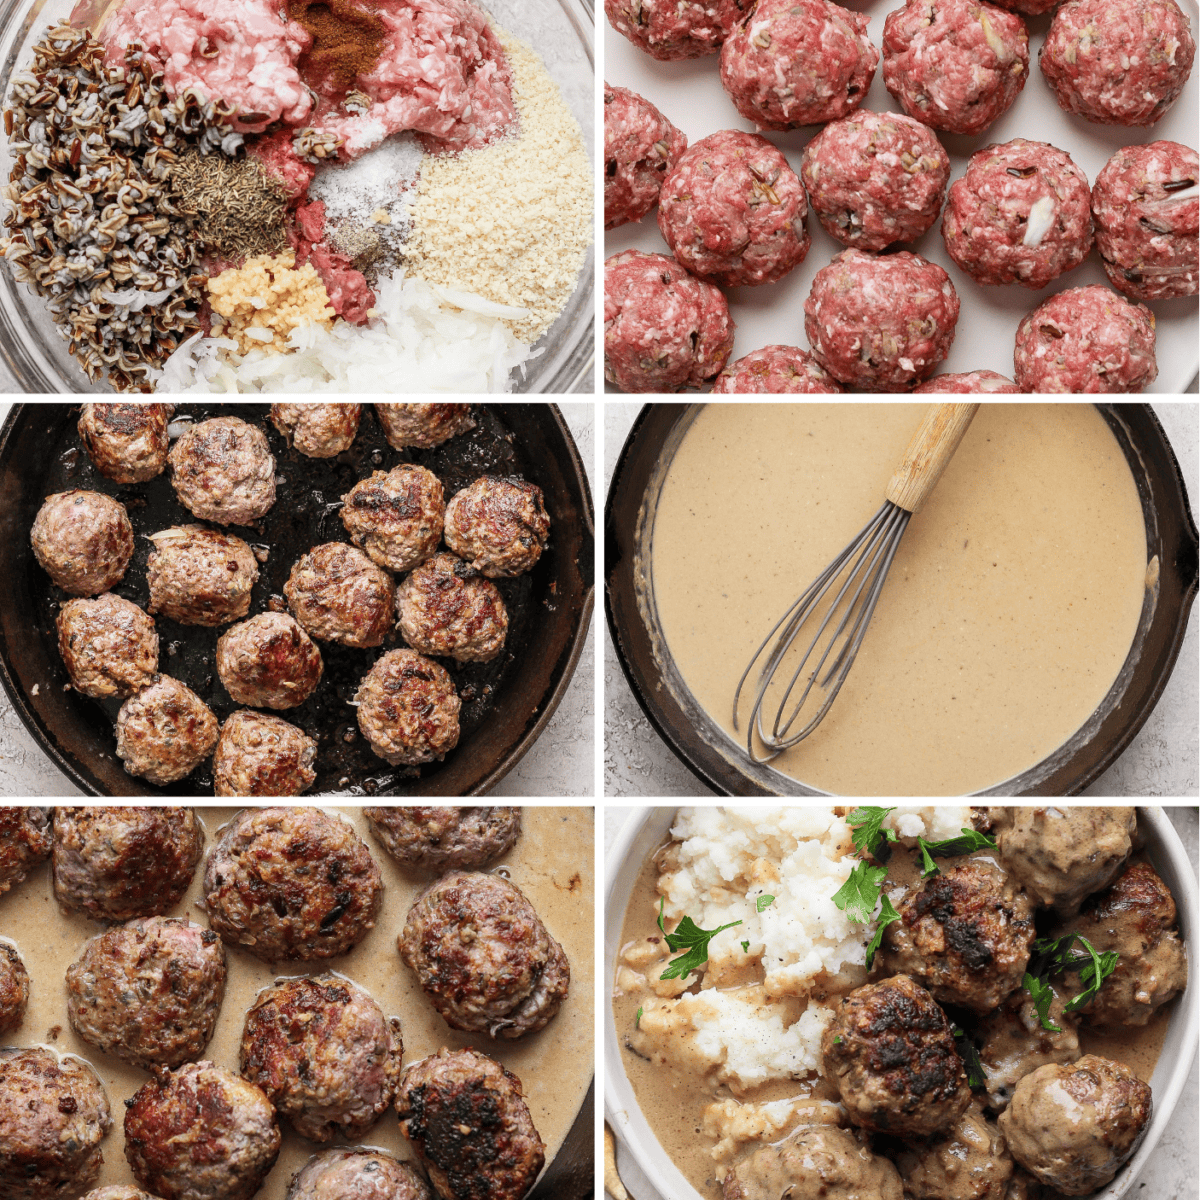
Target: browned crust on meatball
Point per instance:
(396, 516)
(422, 425)
(445, 839)
(262, 755)
(25, 841)
(108, 645)
(14, 987)
(445, 609)
(408, 709)
(317, 430)
(269, 661)
(499, 525)
(200, 576)
(128, 443)
(338, 594)
(165, 732)
(223, 470)
(83, 541)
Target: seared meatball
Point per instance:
(396, 516)
(223, 470)
(890, 1053)
(408, 709)
(25, 840)
(53, 1116)
(500, 525)
(126, 442)
(165, 732)
(261, 755)
(467, 1119)
(118, 863)
(269, 662)
(444, 608)
(967, 1161)
(1014, 1043)
(83, 541)
(291, 883)
(109, 646)
(201, 1133)
(200, 576)
(423, 425)
(355, 1174)
(14, 987)
(483, 956)
(1072, 1126)
(148, 991)
(445, 839)
(339, 595)
(325, 1055)
(318, 430)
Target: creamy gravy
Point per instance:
(1008, 613)
(552, 863)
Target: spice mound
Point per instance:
(259, 305)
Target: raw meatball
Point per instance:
(53, 1116)
(355, 1174)
(339, 595)
(1072, 1126)
(325, 1055)
(1022, 213)
(1030, 8)
(318, 430)
(269, 662)
(1086, 340)
(444, 608)
(880, 324)
(1118, 62)
(965, 384)
(83, 541)
(798, 62)
(165, 732)
(396, 516)
(445, 839)
(126, 442)
(956, 65)
(733, 211)
(261, 755)
(1145, 225)
(200, 576)
(408, 709)
(776, 369)
(875, 178)
(673, 29)
(109, 646)
(118, 863)
(423, 425)
(664, 330)
(223, 471)
(499, 525)
(967, 1161)
(148, 991)
(508, 979)
(14, 987)
(291, 883)
(25, 841)
(1014, 1043)
(201, 1133)
(640, 147)
(439, 1103)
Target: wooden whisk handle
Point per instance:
(928, 454)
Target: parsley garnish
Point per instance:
(1053, 956)
(637, 1017)
(976, 1075)
(967, 842)
(866, 828)
(837, 1041)
(764, 902)
(745, 947)
(860, 893)
(1043, 996)
(887, 914)
(688, 935)
(858, 896)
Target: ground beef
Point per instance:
(445, 839)
(269, 662)
(200, 576)
(499, 525)
(423, 426)
(640, 147)
(14, 987)
(1030, 8)
(83, 541)
(108, 645)
(356, 1174)
(262, 755)
(664, 330)
(127, 442)
(880, 324)
(966, 383)
(673, 29)
(165, 732)
(25, 841)
(408, 709)
(339, 595)
(776, 369)
(445, 609)
(1086, 340)
(223, 471)
(396, 516)
(317, 430)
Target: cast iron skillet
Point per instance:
(506, 703)
(694, 737)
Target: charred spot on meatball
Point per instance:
(445, 609)
(269, 661)
(499, 525)
(317, 430)
(422, 426)
(445, 839)
(344, 1173)
(83, 541)
(338, 594)
(25, 840)
(408, 709)
(128, 443)
(14, 987)
(396, 516)
(223, 471)
(200, 576)
(165, 732)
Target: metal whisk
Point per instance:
(839, 626)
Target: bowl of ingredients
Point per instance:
(818, 1012)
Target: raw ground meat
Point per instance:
(967, 383)
(281, 163)
(798, 62)
(640, 147)
(733, 211)
(1086, 340)
(776, 369)
(880, 324)
(663, 329)
(1030, 8)
(955, 65)
(671, 29)
(875, 178)
(1022, 213)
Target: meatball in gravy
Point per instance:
(1015, 1043)
(14, 988)
(499, 525)
(25, 841)
(128, 443)
(356, 1174)
(966, 1161)
(83, 541)
(445, 839)
(200, 576)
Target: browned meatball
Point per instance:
(109, 646)
(467, 1119)
(967, 1161)
(445, 839)
(200, 576)
(53, 1116)
(118, 863)
(269, 662)
(325, 1055)
(14, 987)
(890, 1053)
(356, 1174)
(119, 1192)
(165, 732)
(408, 709)
(25, 840)
(507, 978)
(339, 595)
(318, 430)
(127, 442)
(261, 755)
(396, 516)
(291, 883)
(223, 470)
(83, 541)
(444, 608)
(148, 991)
(499, 525)
(201, 1133)
(423, 425)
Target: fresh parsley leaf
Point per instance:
(1053, 956)
(690, 937)
(837, 1041)
(745, 947)
(887, 914)
(1093, 975)
(866, 828)
(764, 902)
(928, 866)
(1043, 996)
(976, 1075)
(966, 843)
(637, 1017)
(858, 896)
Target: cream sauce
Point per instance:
(1008, 613)
(552, 863)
